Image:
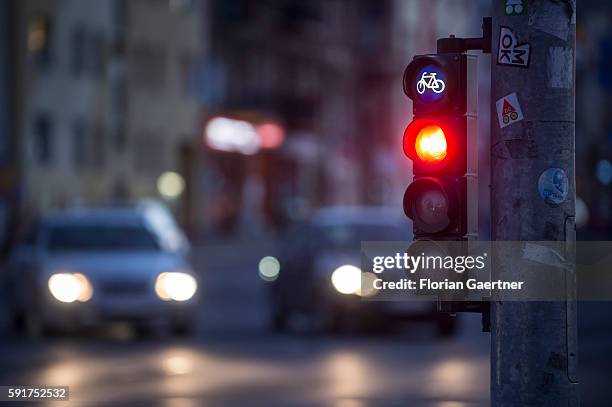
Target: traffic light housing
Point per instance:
(441, 142)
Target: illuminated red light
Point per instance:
(430, 144)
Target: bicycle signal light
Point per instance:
(430, 83)
(440, 141)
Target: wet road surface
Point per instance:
(233, 359)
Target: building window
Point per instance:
(147, 66)
(186, 82)
(95, 61)
(119, 113)
(43, 139)
(98, 146)
(150, 147)
(79, 143)
(39, 40)
(77, 50)
(88, 52)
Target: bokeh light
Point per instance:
(170, 184)
(271, 135)
(269, 268)
(347, 279)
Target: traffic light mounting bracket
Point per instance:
(454, 44)
(448, 45)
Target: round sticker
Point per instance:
(430, 83)
(553, 186)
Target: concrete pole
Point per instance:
(533, 344)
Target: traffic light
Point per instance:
(441, 142)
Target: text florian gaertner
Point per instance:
(429, 276)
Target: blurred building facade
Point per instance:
(318, 68)
(330, 71)
(103, 102)
(113, 93)
(9, 186)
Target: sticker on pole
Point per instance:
(515, 8)
(510, 52)
(553, 186)
(508, 110)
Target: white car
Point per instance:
(84, 267)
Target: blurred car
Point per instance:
(318, 264)
(83, 267)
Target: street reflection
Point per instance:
(451, 404)
(455, 377)
(347, 374)
(341, 372)
(182, 402)
(177, 365)
(68, 373)
(349, 403)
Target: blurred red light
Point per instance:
(271, 135)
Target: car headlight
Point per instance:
(175, 286)
(349, 279)
(70, 287)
